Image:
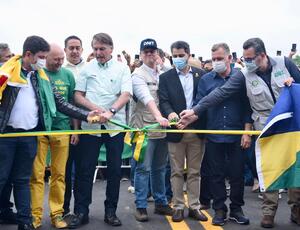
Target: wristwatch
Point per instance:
(113, 111)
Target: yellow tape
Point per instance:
(58, 133)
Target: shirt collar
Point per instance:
(71, 64)
(106, 64)
(150, 70)
(180, 73)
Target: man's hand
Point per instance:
(74, 139)
(94, 116)
(173, 117)
(183, 123)
(106, 116)
(288, 82)
(245, 141)
(163, 122)
(186, 113)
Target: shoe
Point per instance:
(112, 220)
(141, 215)
(295, 215)
(78, 220)
(37, 222)
(25, 227)
(150, 199)
(58, 222)
(267, 221)
(8, 217)
(204, 206)
(178, 215)
(239, 217)
(165, 210)
(197, 215)
(131, 189)
(219, 218)
(260, 196)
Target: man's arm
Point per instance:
(235, 84)
(164, 101)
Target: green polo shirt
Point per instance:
(65, 84)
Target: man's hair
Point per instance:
(222, 45)
(207, 61)
(70, 38)
(257, 44)
(161, 53)
(103, 38)
(35, 44)
(181, 45)
(3, 46)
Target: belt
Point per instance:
(10, 129)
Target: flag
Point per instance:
(278, 146)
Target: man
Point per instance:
(233, 114)
(177, 89)
(145, 112)
(73, 49)
(28, 103)
(75, 63)
(5, 53)
(7, 216)
(263, 89)
(104, 84)
(64, 81)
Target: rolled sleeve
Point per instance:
(140, 89)
(81, 82)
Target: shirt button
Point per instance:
(224, 107)
(224, 116)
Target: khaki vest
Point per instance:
(259, 95)
(140, 115)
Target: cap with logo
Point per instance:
(148, 43)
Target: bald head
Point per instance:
(55, 58)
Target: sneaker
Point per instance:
(260, 196)
(131, 189)
(59, 223)
(150, 199)
(219, 218)
(165, 210)
(239, 217)
(141, 215)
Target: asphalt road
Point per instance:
(126, 210)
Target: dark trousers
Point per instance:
(69, 176)
(16, 159)
(169, 192)
(85, 163)
(5, 204)
(205, 194)
(216, 157)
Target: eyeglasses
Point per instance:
(248, 59)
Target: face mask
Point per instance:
(180, 63)
(219, 66)
(251, 66)
(41, 63)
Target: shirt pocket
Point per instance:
(258, 94)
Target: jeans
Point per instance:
(16, 159)
(169, 193)
(154, 164)
(5, 204)
(85, 163)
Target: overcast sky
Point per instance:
(200, 23)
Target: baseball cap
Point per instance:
(148, 43)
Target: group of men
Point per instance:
(39, 91)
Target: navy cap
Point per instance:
(148, 43)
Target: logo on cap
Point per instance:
(148, 43)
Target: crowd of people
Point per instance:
(41, 91)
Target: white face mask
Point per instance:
(41, 63)
(219, 66)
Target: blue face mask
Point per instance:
(180, 63)
(251, 66)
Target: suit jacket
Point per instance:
(172, 99)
